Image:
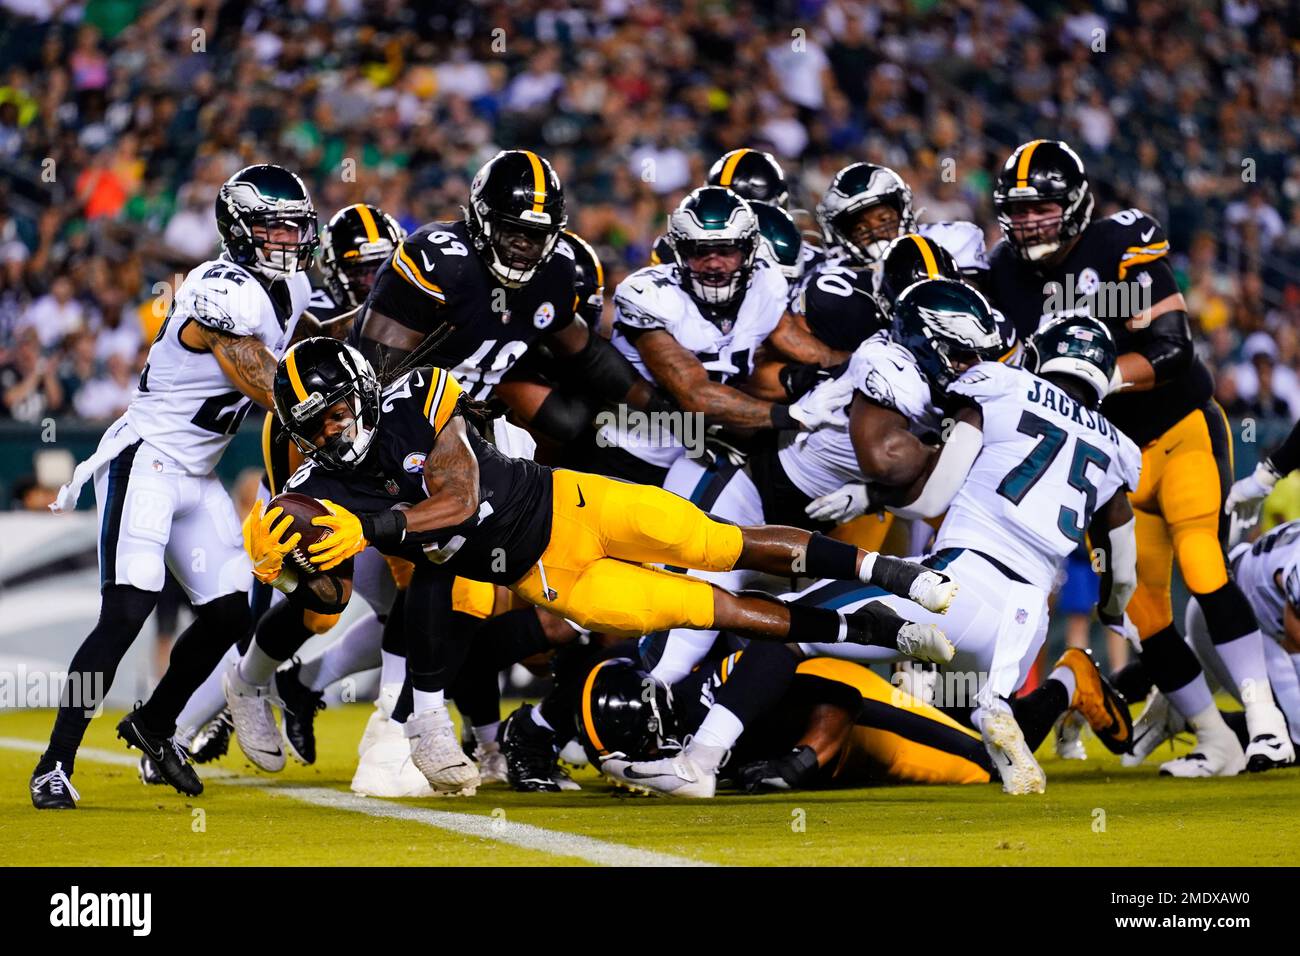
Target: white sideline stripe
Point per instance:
(524, 835)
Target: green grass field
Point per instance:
(1094, 813)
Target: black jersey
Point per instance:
(838, 305)
(1118, 267)
(500, 543)
(322, 306)
(436, 276)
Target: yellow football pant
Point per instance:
(603, 533)
(1178, 504)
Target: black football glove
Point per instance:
(789, 772)
(798, 378)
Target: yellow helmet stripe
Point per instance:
(539, 180)
(1022, 167)
(368, 220)
(729, 168)
(927, 255)
(266, 451)
(291, 363)
(588, 723)
(600, 269)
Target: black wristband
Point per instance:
(384, 529)
(782, 419)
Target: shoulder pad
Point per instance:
(433, 390)
(649, 299)
(986, 381)
(223, 296)
(885, 372)
(1136, 237)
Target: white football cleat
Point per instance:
(934, 591)
(491, 763)
(255, 728)
(437, 752)
(925, 642)
(675, 776)
(573, 754)
(1270, 743)
(384, 705)
(562, 779)
(385, 769)
(1068, 735)
(1221, 758)
(1015, 763)
(1157, 723)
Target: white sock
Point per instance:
(428, 700)
(1066, 677)
(486, 734)
(868, 565)
(538, 719)
(205, 703)
(683, 649)
(256, 667)
(392, 669)
(357, 650)
(1243, 657)
(1209, 722)
(717, 734)
(1193, 697)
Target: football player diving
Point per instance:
(407, 471)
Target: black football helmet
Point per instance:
(589, 279)
(354, 244)
(258, 199)
(624, 710)
(854, 190)
(1043, 171)
(948, 326)
(910, 259)
(714, 218)
(1079, 346)
(779, 240)
(515, 214)
(753, 175)
(315, 375)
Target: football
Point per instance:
(302, 508)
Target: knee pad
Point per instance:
(319, 623)
(1200, 557)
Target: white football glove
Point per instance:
(843, 504)
(1125, 628)
(824, 406)
(1246, 497)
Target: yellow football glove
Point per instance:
(262, 541)
(345, 539)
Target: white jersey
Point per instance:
(1268, 573)
(184, 405)
(652, 298)
(1045, 466)
(887, 374)
(964, 241)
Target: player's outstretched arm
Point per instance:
(246, 361)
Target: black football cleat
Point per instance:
(149, 772)
(212, 742)
(53, 790)
(531, 755)
(300, 706)
(170, 757)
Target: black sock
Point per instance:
(476, 689)
(1228, 615)
(1168, 660)
(758, 680)
(122, 612)
(828, 558)
(1133, 681)
(197, 653)
(513, 636)
(394, 641)
(1037, 711)
(282, 631)
(875, 623)
(816, 625)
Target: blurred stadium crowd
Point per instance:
(119, 119)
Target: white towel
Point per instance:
(119, 435)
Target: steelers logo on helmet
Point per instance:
(515, 215)
(354, 244)
(866, 207)
(714, 237)
(267, 222)
(949, 326)
(1042, 198)
(624, 710)
(327, 398)
(1078, 346)
(753, 175)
